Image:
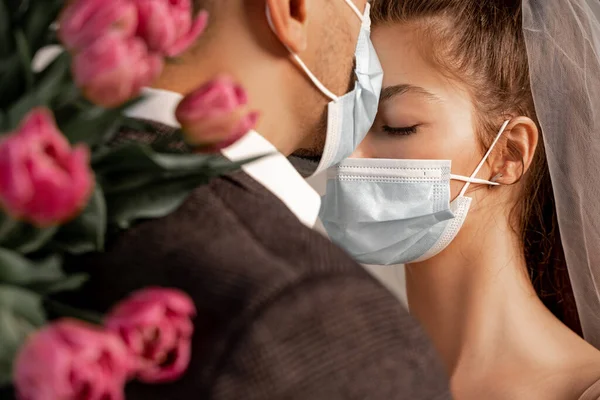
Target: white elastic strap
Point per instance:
(312, 77)
(328, 93)
(355, 9)
(473, 180)
(301, 64)
(481, 164)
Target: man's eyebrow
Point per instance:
(397, 90)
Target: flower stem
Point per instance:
(7, 225)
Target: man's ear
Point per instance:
(521, 139)
(289, 22)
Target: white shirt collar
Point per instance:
(274, 172)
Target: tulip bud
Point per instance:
(72, 360)
(42, 179)
(215, 115)
(156, 326)
(167, 26)
(84, 21)
(113, 70)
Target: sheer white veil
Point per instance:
(563, 47)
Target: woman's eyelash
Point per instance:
(401, 131)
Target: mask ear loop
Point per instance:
(473, 180)
(355, 8)
(328, 93)
(466, 187)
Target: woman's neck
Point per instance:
(479, 307)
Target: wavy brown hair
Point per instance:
(481, 43)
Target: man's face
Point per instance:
(334, 35)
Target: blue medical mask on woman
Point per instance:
(387, 212)
(349, 117)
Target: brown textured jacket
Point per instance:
(282, 313)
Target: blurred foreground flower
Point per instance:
(167, 26)
(42, 179)
(85, 21)
(215, 115)
(113, 69)
(119, 46)
(70, 360)
(156, 326)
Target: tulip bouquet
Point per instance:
(65, 187)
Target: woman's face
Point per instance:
(422, 114)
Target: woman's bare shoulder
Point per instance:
(593, 392)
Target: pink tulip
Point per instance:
(85, 21)
(113, 69)
(156, 325)
(42, 179)
(215, 115)
(238, 131)
(167, 26)
(70, 360)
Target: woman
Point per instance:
(486, 271)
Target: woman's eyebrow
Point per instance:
(390, 92)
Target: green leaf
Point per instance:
(3, 121)
(137, 157)
(19, 8)
(40, 16)
(129, 181)
(64, 100)
(9, 62)
(87, 232)
(12, 83)
(71, 282)
(134, 165)
(95, 125)
(26, 238)
(91, 126)
(153, 201)
(21, 313)
(44, 276)
(25, 57)
(18, 270)
(140, 183)
(221, 165)
(6, 36)
(23, 303)
(53, 81)
(7, 226)
(33, 238)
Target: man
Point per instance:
(282, 313)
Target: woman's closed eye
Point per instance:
(400, 131)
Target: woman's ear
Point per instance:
(289, 21)
(520, 139)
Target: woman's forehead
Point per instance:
(407, 68)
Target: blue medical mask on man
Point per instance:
(349, 117)
(386, 212)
